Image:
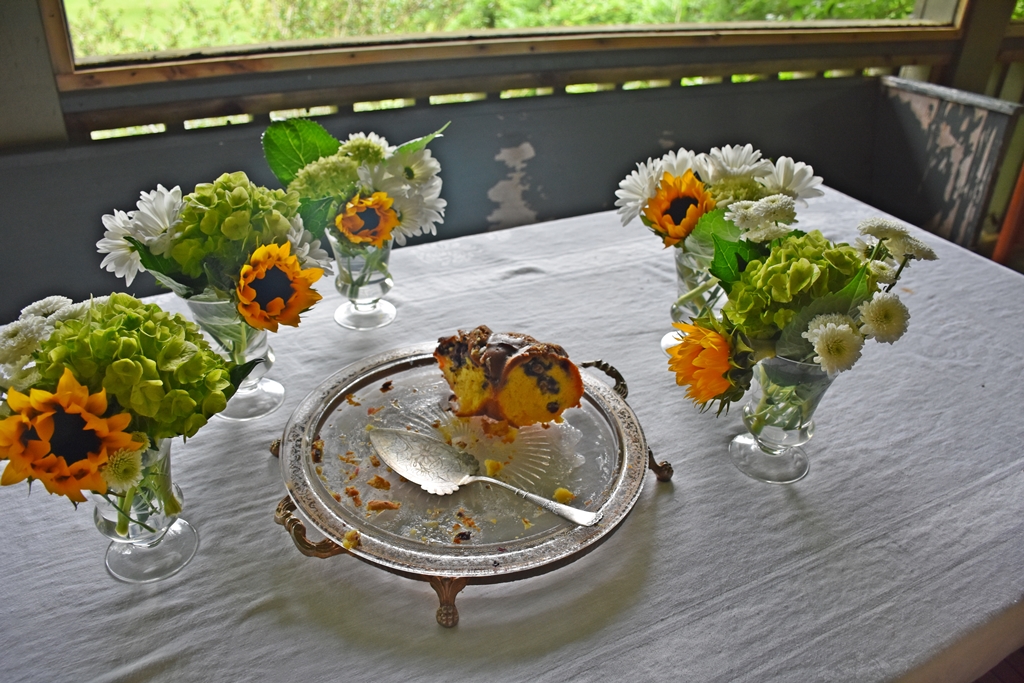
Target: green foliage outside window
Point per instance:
(111, 27)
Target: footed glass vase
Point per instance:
(778, 416)
(240, 343)
(698, 290)
(149, 542)
(363, 278)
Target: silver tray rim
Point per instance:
(297, 471)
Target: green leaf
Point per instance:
(712, 223)
(159, 266)
(731, 258)
(239, 373)
(419, 143)
(289, 145)
(318, 214)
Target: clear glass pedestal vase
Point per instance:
(149, 542)
(697, 290)
(240, 343)
(364, 279)
(778, 416)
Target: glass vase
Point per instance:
(240, 343)
(363, 278)
(697, 291)
(149, 542)
(778, 415)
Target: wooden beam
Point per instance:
(191, 64)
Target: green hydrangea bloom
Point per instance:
(224, 220)
(154, 364)
(333, 176)
(799, 270)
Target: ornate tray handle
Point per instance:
(662, 470)
(284, 515)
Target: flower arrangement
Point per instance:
(229, 240)
(672, 195)
(361, 193)
(792, 295)
(88, 388)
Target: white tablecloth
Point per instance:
(905, 536)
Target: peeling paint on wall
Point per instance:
(508, 193)
(960, 148)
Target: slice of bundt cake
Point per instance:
(508, 376)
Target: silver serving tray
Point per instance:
(598, 452)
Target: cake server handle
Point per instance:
(574, 515)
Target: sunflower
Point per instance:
(60, 439)
(701, 360)
(368, 220)
(274, 289)
(676, 207)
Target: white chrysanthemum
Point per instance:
(767, 232)
(732, 161)
(910, 247)
(413, 168)
(159, 213)
(378, 140)
(744, 215)
(121, 258)
(882, 228)
(677, 163)
(637, 188)
(794, 179)
(778, 208)
(837, 345)
(882, 271)
(306, 248)
(123, 469)
(19, 374)
(21, 337)
(44, 308)
(885, 317)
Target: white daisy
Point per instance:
(414, 168)
(376, 178)
(21, 337)
(123, 469)
(307, 249)
(413, 217)
(121, 258)
(732, 161)
(637, 188)
(159, 213)
(837, 346)
(44, 308)
(885, 317)
(679, 162)
(794, 179)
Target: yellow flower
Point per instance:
(701, 360)
(676, 207)
(274, 289)
(368, 220)
(60, 438)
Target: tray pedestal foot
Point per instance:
(662, 470)
(447, 588)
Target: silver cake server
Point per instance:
(441, 469)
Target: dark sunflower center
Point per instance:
(274, 284)
(370, 220)
(71, 440)
(678, 208)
